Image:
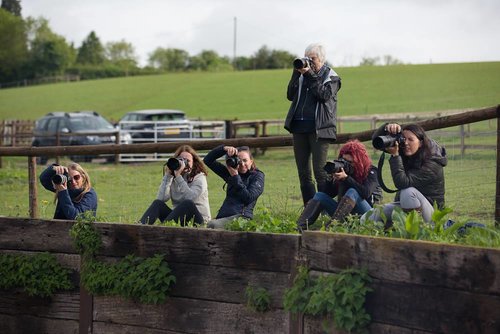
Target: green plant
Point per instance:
(338, 298)
(38, 275)
(145, 280)
(264, 221)
(258, 299)
(85, 237)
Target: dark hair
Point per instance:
(198, 165)
(247, 149)
(423, 153)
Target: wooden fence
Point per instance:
(418, 287)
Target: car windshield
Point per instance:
(164, 117)
(89, 124)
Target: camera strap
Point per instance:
(379, 174)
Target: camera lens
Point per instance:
(59, 179)
(300, 63)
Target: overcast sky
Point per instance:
(413, 31)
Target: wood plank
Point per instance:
(419, 262)
(36, 234)
(26, 324)
(433, 309)
(60, 306)
(260, 251)
(190, 316)
(313, 325)
(109, 328)
(224, 284)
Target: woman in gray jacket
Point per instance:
(185, 184)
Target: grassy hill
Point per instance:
(262, 94)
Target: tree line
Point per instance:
(31, 50)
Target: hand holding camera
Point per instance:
(61, 178)
(391, 142)
(339, 168)
(175, 166)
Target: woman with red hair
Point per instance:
(355, 185)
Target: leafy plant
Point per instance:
(339, 298)
(85, 237)
(258, 299)
(38, 275)
(264, 221)
(145, 280)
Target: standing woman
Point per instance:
(74, 192)
(312, 117)
(186, 186)
(355, 186)
(417, 169)
(244, 183)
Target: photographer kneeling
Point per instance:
(74, 193)
(185, 183)
(354, 183)
(245, 183)
(416, 167)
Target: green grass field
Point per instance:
(262, 94)
(126, 190)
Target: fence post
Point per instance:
(497, 197)
(117, 141)
(229, 129)
(32, 187)
(462, 140)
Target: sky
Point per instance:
(412, 31)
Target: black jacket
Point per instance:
(321, 95)
(242, 190)
(426, 176)
(368, 190)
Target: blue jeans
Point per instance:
(330, 204)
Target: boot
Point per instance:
(309, 215)
(344, 208)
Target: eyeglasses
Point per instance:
(77, 177)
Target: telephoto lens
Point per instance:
(175, 163)
(59, 179)
(300, 63)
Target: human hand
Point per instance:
(230, 150)
(393, 128)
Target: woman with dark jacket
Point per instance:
(417, 164)
(74, 192)
(184, 183)
(354, 183)
(312, 117)
(244, 183)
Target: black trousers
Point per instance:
(182, 213)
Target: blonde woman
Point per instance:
(74, 192)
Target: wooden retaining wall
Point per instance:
(419, 287)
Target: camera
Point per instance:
(233, 161)
(383, 142)
(300, 63)
(61, 178)
(336, 165)
(175, 163)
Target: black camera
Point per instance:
(300, 63)
(61, 178)
(175, 163)
(233, 161)
(383, 142)
(335, 166)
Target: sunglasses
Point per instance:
(76, 177)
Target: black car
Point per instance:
(155, 125)
(72, 126)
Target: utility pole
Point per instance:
(234, 44)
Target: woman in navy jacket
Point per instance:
(73, 196)
(244, 183)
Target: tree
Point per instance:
(367, 61)
(280, 59)
(91, 52)
(169, 59)
(261, 58)
(121, 54)
(389, 61)
(12, 6)
(13, 50)
(49, 53)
